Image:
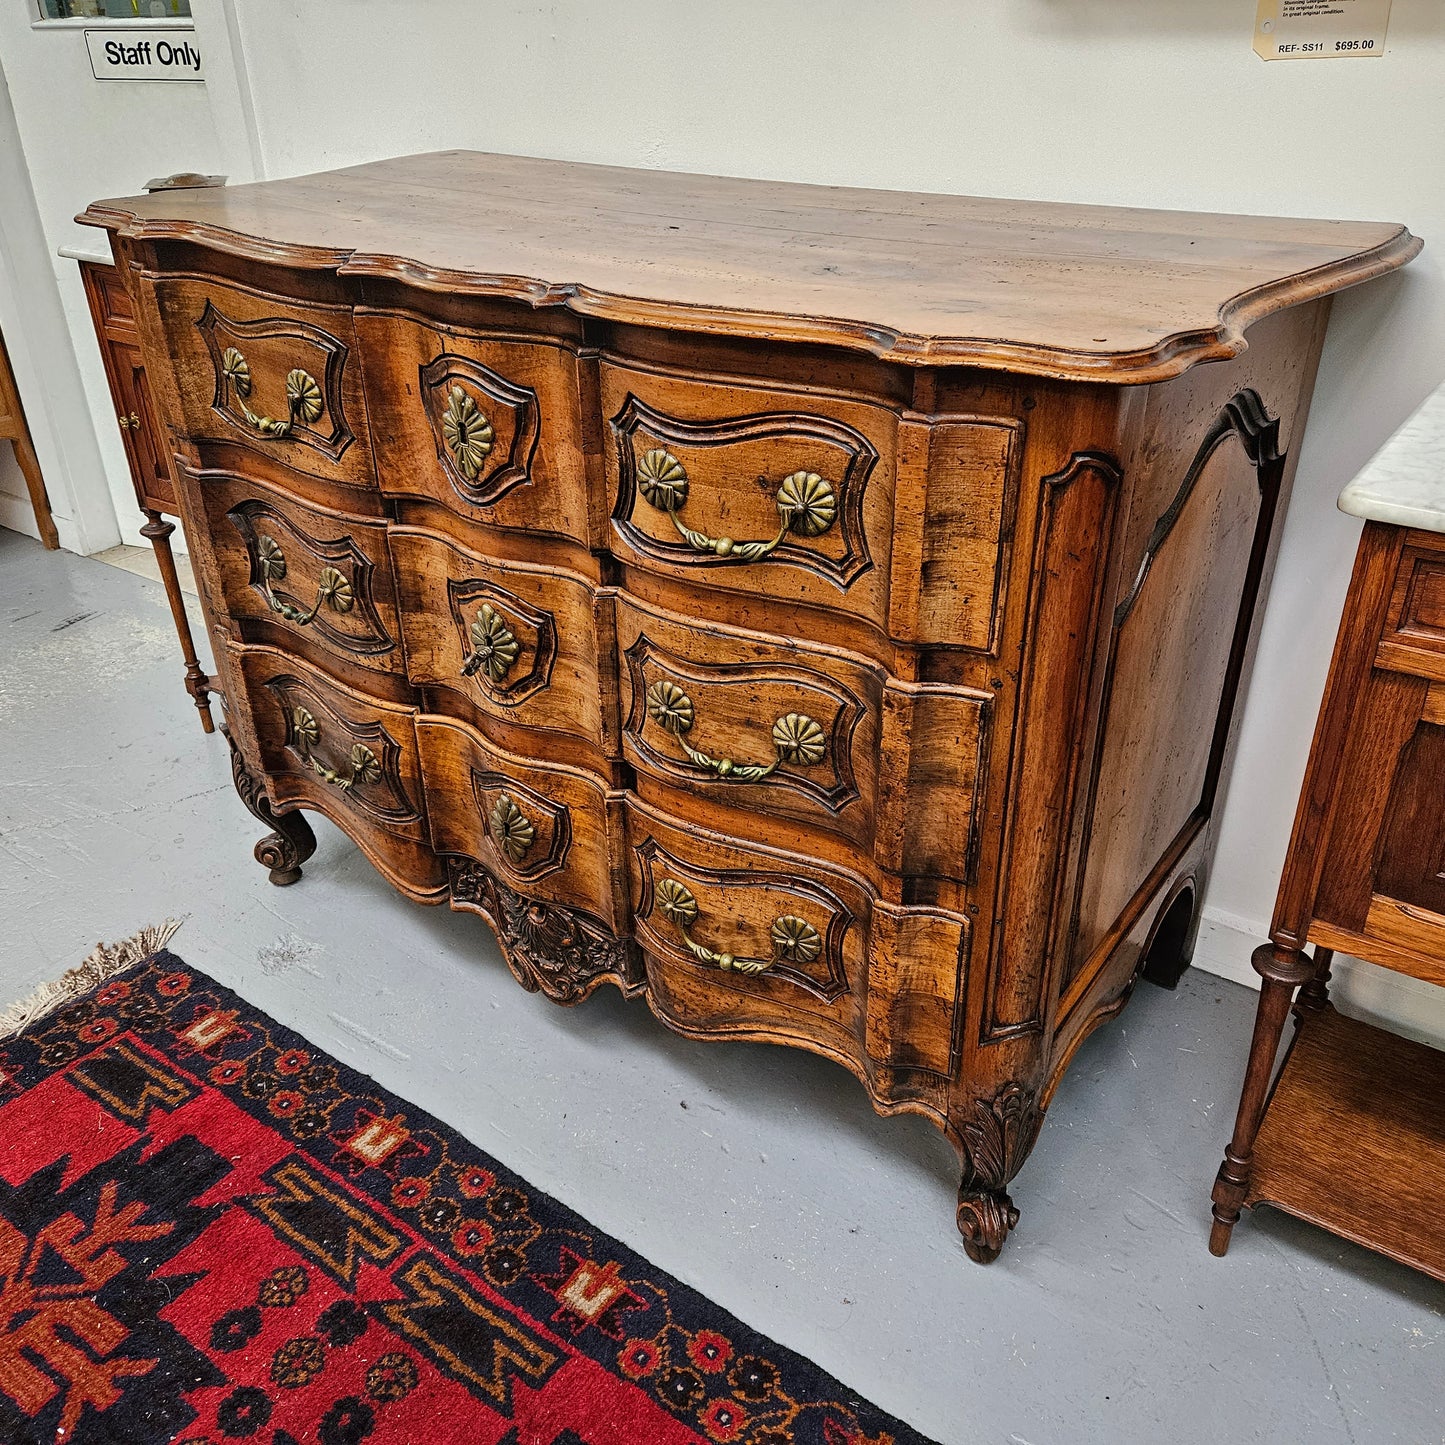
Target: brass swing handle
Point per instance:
(332, 589)
(806, 504)
(794, 939)
(303, 396)
(307, 734)
(796, 737)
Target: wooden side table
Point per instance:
(1352, 1134)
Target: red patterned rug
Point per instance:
(210, 1231)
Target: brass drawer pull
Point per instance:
(303, 396)
(796, 737)
(806, 503)
(511, 829)
(364, 765)
(794, 939)
(494, 648)
(332, 589)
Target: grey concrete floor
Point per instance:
(758, 1175)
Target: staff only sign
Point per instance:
(148, 54)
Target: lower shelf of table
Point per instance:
(1354, 1139)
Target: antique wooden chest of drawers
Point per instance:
(819, 612)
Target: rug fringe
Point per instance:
(104, 961)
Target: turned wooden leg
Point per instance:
(158, 530)
(292, 843)
(997, 1134)
(1316, 993)
(1283, 970)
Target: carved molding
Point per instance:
(561, 952)
(636, 430)
(819, 973)
(533, 630)
(486, 439)
(319, 353)
(997, 1135)
(382, 796)
(256, 520)
(828, 781)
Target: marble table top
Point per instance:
(1404, 483)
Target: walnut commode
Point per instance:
(820, 612)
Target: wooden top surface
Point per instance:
(1085, 292)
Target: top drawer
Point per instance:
(774, 493)
(278, 375)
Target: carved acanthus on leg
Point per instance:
(292, 843)
(998, 1135)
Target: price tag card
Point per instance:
(1320, 29)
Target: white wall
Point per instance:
(80, 139)
(1135, 102)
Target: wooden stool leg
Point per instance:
(1282, 971)
(158, 530)
(35, 485)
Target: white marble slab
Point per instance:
(1404, 483)
(97, 250)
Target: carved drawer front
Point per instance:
(544, 832)
(300, 571)
(488, 425)
(774, 493)
(527, 646)
(716, 717)
(749, 721)
(738, 937)
(277, 375)
(350, 756)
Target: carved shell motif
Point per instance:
(494, 648)
(669, 706)
(303, 396)
(807, 503)
(467, 433)
(799, 739)
(511, 831)
(662, 480)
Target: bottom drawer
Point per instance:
(738, 939)
(345, 754)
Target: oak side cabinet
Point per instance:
(1352, 1134)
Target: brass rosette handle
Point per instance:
(306, 733)
(467, 433)
(332, 589)
(807, 506)
(494, 646)
(303, 396)
(797, 739)
(793, 939)
(511, 829)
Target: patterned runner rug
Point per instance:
(211, 1231)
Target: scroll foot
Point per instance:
(985, 1217)
(291, 844)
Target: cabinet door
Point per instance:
(143, 445)
(1384, 874)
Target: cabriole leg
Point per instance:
(1283, 970)
(997, 1135)
(291, 844)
